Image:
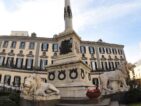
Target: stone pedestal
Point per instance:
(68, 73)
(74, 91)
(72, 78)
(39, 100)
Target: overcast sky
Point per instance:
(113, 21)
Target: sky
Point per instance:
(113, 21)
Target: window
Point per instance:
(17, 81)
(91, 50)
(84, 61)
(106, 66)
(5, 44)
(31, 45)
(95, 81)
(44, 47)
(13, 44)
(101, 50)
(52, 61)
(113, 51)
(43, 63)
(113, 67)
(94, 65)
(120, 52)
(109, 65)
(0, 43)
(29, 63)
(9, 62)
(2, 60)
(83, 49)
(19, 62)
(102, 66)
(7, 79)
(116, 64)
(109, 50)
(0, 77)
(22, 45)
(55, 48)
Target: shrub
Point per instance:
(14, 96)
(133, 96)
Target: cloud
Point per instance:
(140, 46)
(104, 13)
(133, 52)
(43, 17)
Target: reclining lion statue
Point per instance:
(34, 85)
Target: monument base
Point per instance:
(74, 90)
(84, 102)
(39, 100)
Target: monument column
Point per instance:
(68, 16)
(68, 73)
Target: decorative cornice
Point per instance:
(42, 39)
(43, 56)
(11, 54)
(101, 44)
(92, 58)
(2, 53)
(20, 55)
(63, 34)
(30, 55)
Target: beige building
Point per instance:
(137, 71)
(22, 55)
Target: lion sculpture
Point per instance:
(34, 85)
(118, 76)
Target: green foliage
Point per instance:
(9, 99)
(137, 104)
(14, 96)
(133, 96)
(4, 93)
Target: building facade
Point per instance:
(29, 54)
(22, 55)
